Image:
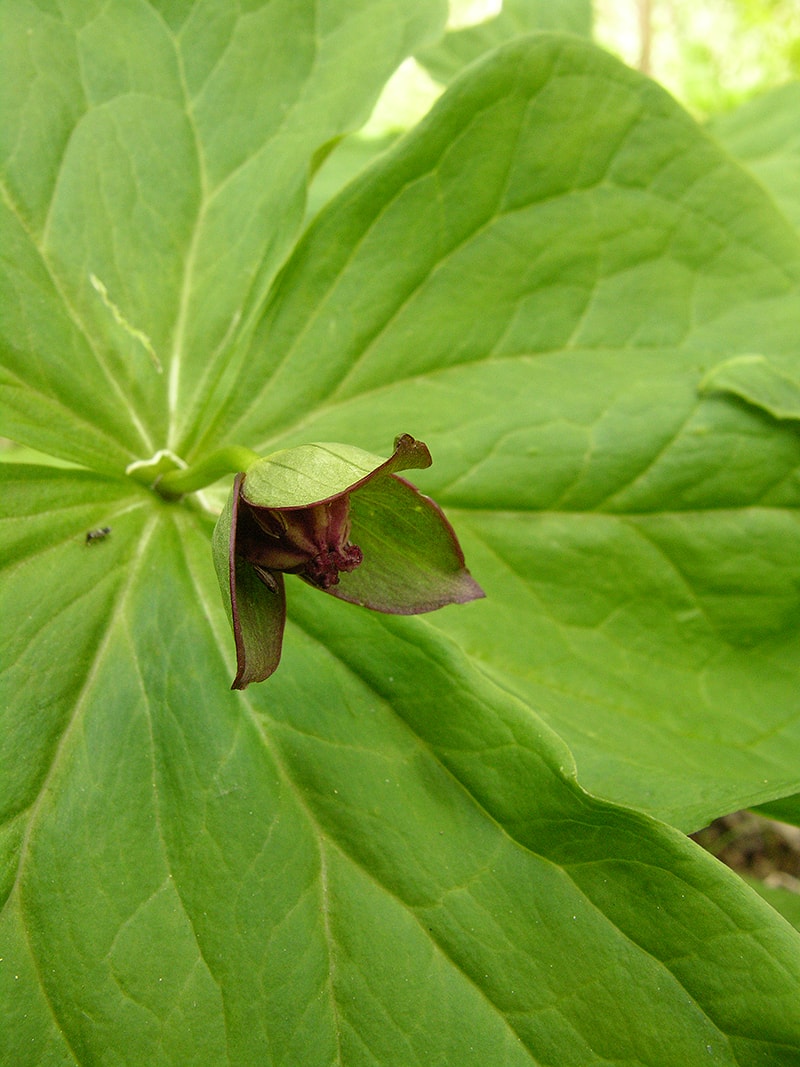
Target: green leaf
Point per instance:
(756, 381)
(765, 135)
(382, 856)
(379, 857)
(149, 209)
(787, 809)
(785, 901)
(556, 258)
(342, 165)
(256, 612)
(458, 48)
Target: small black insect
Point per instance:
(97, 535)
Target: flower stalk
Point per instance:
(175, 483)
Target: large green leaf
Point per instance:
(154, 170)
(383, 856)
(379, 858)
(568, 257)
(765, 135)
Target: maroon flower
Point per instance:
(312, 542)
(344, 522)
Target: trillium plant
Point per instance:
(300, 512)
(425, 825)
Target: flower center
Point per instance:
(312, 542)
(323, 570)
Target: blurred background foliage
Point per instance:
(712, 55)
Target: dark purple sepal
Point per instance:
(255, 598)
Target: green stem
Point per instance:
(228, 460)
